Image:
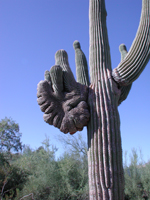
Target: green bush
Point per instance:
(137, 178)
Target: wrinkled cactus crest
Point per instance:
(70, 105)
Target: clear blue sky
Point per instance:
(31, 31)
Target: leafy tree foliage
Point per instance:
(51, 179)
(74, 143)
(137, 178)
(12, 178)
(9, 136)
(37, 174)
(73, 170)
(41, 164)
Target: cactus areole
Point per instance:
(71, 105)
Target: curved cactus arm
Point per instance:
(124, 93)
(124, 89)
(81, 65)
(139, 53)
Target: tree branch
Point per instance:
(28, 196)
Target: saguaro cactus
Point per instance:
(71, 105)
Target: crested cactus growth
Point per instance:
(62, 99)
(71, 105)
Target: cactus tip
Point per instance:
(47, 75)
(46, 72)
(122, 47)
(61, 53)
(76, 44)
(55, 68)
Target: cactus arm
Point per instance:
(47, 76)
(124, 89)
(124, 93)
(61, 59)
(123, 51)
(81, 65)
(139, 53)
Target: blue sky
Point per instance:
(31, 31)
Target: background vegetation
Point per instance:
(37, 174)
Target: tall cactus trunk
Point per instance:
(106, 180)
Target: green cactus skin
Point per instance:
(124, 89)
(64, 101)
(81, 65)
(61, 58)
